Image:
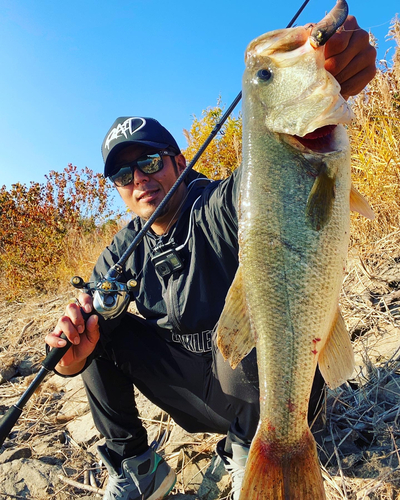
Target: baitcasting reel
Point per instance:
(110, 297)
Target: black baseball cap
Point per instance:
(127, 130)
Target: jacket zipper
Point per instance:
(171, 305)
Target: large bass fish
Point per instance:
(294, 220)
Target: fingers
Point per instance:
(353, 85)
(53, 339)
(74, 310)
(92, 330)
(341, 40)
(69, 329)
(86, 302)
(82, 335)
(350, 57)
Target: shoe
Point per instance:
(235, 464)
(143, 477)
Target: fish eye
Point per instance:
(264, 74)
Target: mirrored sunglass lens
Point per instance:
(150, 164)
(122, 177)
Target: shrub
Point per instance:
(36, 220)
(51, 231)
(223, 155)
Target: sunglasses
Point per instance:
(148, 164)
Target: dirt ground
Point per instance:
(51, 451)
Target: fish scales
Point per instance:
(293, 273)
(294, 219)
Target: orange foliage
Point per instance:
(35, 221)
(223, 155)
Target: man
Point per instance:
(184, 267)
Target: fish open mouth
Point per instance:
(320, 139)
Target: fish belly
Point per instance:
(292, 276)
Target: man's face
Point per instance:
(146, 191)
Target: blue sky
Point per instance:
(69, 68)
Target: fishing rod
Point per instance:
(111, 297)
(116, 270)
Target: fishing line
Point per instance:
(112, 296)
(117, 269)
(159, 246)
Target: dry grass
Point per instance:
(375, 143)
(81, 254)
(359, 441)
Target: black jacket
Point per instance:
(186, 305)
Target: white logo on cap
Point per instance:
(123, 129)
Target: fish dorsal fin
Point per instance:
(336, 360)
(359, 204)
(321, 198)
(234, 336)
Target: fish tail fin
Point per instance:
(273, 474)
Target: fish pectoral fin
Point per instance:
(234, 336)
(320, 200)
(336, 360)
(360, 204)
